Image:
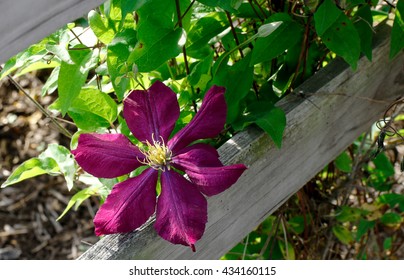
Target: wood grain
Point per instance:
(341, 104)
(25, 22)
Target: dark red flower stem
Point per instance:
(233, 31)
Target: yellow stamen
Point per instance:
(158, 156)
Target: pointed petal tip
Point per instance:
(97, 231)
(212, 179)
(181, 214)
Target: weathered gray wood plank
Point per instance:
(314, 136)
(25, 22)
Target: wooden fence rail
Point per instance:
(25, 22)
(339, 105)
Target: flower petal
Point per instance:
(206, 171)
(207, 123)
(181, 210)
(151, 112)
(107, 155)
(129, 205)
(199, 154)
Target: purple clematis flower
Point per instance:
(181, 207)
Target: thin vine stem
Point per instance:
(184, 52)
(63, 130)
(303, 52)
(233, 31)
(185, 13)
(77, 37)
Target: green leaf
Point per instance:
(54, 160)
(251, 10)
(344, 162)
(363, 227)
(128, 6)
(113, 14)
(338, 32)
(283, 78)
(91, 109)
(76, 201)
(289, 252)
(326, 16)
(64, 160)
(150, 55)
(384, 165)
(159, 38)
(297, 223)
(61, 52)
(397, 32)
(117, 56)
(387, 243)
(200, 74)
(254, 108)
(52, 82)
(349, 4)
(24, 59)
(379, 176)
(123, 127)
(35, 57)
(100, 27)
(39, 65)
(392, 199)
(73, 76)
(237, 79)
(202, 32)
(364, 25)
(349, 214)
(391, 219)
(119, 13)
(96, 102)
(311, 4)
(80, 197)
(273, 122)
(60, 48)
(31, 168)
(156, 15)
(236, 252)
(343, 234)
(275, 39)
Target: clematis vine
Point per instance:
(181, 206)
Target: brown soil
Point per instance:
(28, 210)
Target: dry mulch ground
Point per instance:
(29, 209)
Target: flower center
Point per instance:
(158, 155)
